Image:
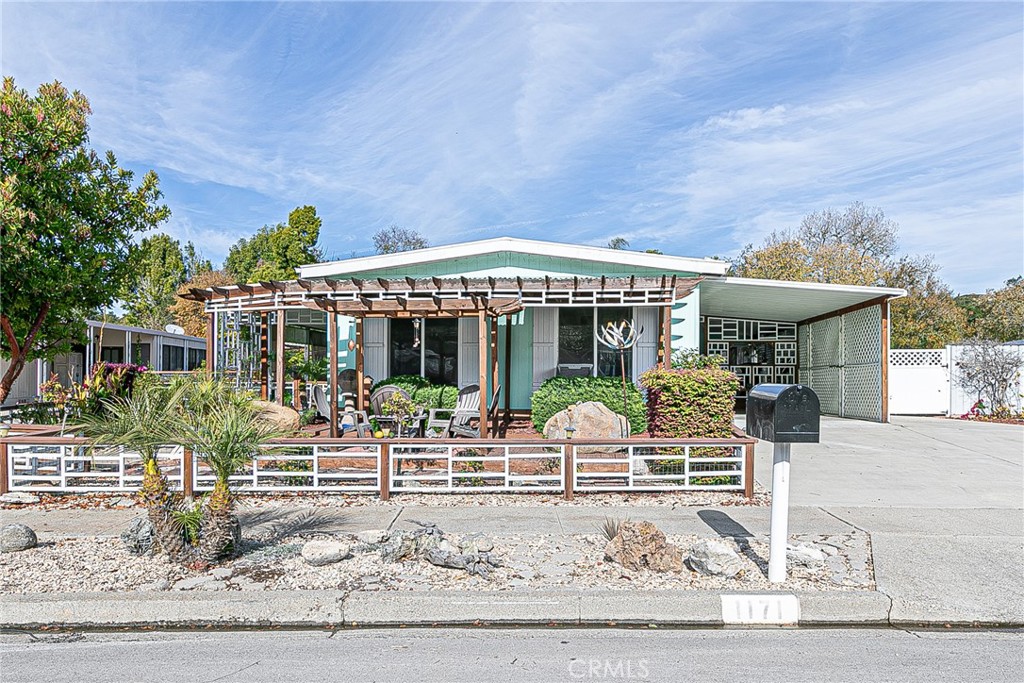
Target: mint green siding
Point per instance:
(686, 322)
(522, 357)
(510, 264)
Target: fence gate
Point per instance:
(919, 381)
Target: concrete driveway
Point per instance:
(913, 462)
(942, 500)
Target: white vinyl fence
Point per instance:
(924, 382)
(52, 464)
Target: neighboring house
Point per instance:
(546, 301)
(158, 350)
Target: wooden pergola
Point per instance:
(484, 298)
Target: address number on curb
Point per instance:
(776, 610)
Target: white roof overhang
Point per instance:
(700, 266)
(736, 297)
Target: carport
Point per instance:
(839, 346)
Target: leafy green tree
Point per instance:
(393, 239)
(194, 261)
(67, 217)
(158, 269)
(618, 243)
(274, 252)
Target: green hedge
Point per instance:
(422, 392)
(558, 393)
(690, 403)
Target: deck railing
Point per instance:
(41, 463)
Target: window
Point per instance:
(112, 354)
(426, 346)
(141, 354)
(576, 336)
(608, 364)
(173, 358)
(405, 349)
(196, 358)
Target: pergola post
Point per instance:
(482, 347)
(494, 367)
(210, 355)
(666, 334)
(279, 360)
(264, 356)
(360, 398)
(508, 370)
(332, 352)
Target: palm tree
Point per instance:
(225, 430)
(144, 422)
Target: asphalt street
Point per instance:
(510, 656)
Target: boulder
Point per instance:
(19, 498)
(642, 545)
(592, 420)
(714, 558)
(282, 417)
(803, 555)
(139, 537)
(16, 537)
(372, 536)
(476, 543)
(321, 552)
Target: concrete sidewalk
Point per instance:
(941, 501)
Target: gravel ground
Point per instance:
(671, 499)
(534, 562)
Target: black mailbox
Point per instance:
(783, 413)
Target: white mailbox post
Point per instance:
(783, 414)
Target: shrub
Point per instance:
(558, 393)
(690, 403)
(423, 393)
(691, 359)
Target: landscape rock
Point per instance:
(16, 537)
(282, 417)
(139, 537)
(19, 498)
(591, 419)
(372, 536)
(642, 545)
(321, 552)
(476, 543)
(802, 555)
(714, 558)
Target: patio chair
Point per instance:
(348, 420)
(471, 430)
(440, 420)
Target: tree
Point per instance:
(928, 317)
(989, 370)
(393, 239)
(857, 246)
(191, 315)
(274, 252)
(158, 269)
(997, 314)
(618, 243)
(67, 216)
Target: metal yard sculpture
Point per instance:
(620, 336)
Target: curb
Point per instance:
(333, 609)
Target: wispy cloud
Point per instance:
(691, 128)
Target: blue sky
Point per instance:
(692, 128)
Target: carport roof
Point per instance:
(737, 297)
